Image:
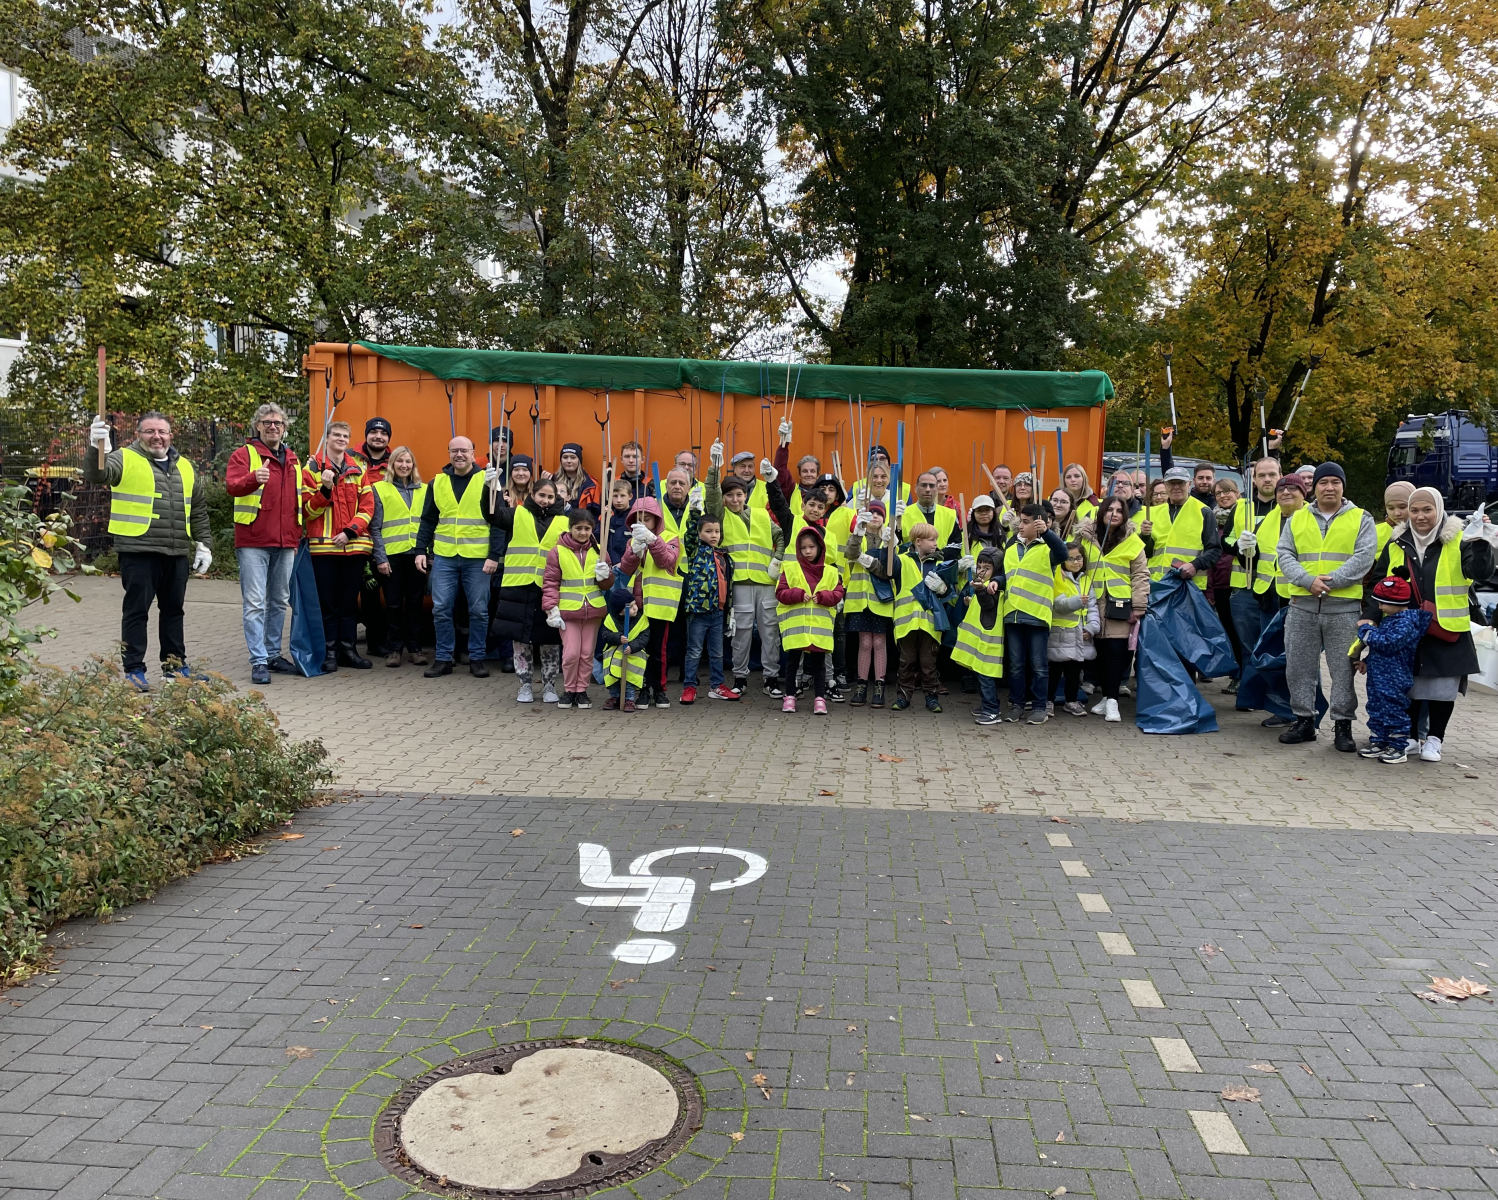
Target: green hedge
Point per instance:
(107, 794)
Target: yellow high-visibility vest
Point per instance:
(1029, 581)
(614, 655)
(1178, 540)
(662, 588)
(525, 556)
(980, 650)
(749, 542)
(1065, 586)
(1322, 555)
(132, 501)
(860, 595)
(461, 529)
(1267, 566)
(578, 590)
(1111, 570)
(910, 614)
(399, 520)
(808, 625)
(943, 518)
(1452, 586)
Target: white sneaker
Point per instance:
(549, 696)
(1110, 713)
(525, 696)
(1088, 688)
(1430, 750)
(1123, 690)
(1412, 745)
(1100, 707)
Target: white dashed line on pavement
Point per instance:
(1116, 943)
(1218, 1133)
(1175, 1055)
(1075, 868)
(1142, 993)
(1058, 840)
(1093, 902)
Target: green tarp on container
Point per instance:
(896, 385)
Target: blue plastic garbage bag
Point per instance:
(1263, 684)
(307, 644)
(1180, 628)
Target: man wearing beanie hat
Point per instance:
(375, 452)
(1325, 549)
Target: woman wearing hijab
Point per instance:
(1442, 561)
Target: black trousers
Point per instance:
(377, 621)
(1112, 664)
(816, 669)
(405, 595)
(148, 577)
(339, 578)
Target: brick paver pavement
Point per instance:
(460, 735)
(937, 1012)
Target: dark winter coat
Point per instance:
(516, 612)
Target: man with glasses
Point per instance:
(264, 479)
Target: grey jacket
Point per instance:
(167, 533)
(1349, 574)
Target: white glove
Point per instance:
(899, 509)
(728, 626)
(767, 470)
(554, 618)
(695, 500)
(1008, 519)
(601, 572)
(966, 563)
(1248, 541)
(98, 433)
(491, 473)
(886, 535)
(866, 561)
(202, 559)
(715, 454)
(861, 522)
(934, 584)
(785, 433)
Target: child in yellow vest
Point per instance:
(1074, 623)
(808, 591)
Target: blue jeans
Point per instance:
(265, 585)
(1248, 621)
(446, 574)
(988, 689)
(702, 627)
(1025, 650)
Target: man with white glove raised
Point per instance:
(159, 520)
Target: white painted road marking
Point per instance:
(1175, 1055)
(1218, 1133)
(1076, 868)
(1092, 902)
(1116, 943)
(1058, 840)
(1142, 993)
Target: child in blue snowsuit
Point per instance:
(1387, 654)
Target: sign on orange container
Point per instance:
(955, 420)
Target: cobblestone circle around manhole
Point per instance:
(545, 1120)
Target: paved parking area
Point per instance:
(943, 1006)
(391, 730)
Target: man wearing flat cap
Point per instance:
(1325, 549)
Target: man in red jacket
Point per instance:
(264, 478)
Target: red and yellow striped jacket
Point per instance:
(349, 509)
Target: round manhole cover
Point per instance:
(539, 1119)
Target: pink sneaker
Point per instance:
(820, 707)
(788, 704)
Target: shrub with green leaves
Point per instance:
(34, 553)
(106, 794)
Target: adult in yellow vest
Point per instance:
(742, 467)
(517, 613)
(1443, 561)
(1250, 552)
(1325, 549)
(160, 528)
(264, 479)
(458, 547)
(928, 511)
(399, 500)
(1119, 571)
(1079, 489)
(1180, 534)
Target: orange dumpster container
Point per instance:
(954, 419)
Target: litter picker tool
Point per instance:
(1263, 420)
(452, 426)
(1304, 379)
(606, 451)
(608, 508)
(722, 399)
(894, 495)
(331, 400)
(536, 428)
(1170, 390)
(103, 414)
(962, 520)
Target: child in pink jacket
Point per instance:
(578, 617)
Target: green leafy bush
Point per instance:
(34, 553)
(106, 794)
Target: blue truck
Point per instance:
(1449, 452)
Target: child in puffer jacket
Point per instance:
(706, 602)
(1074, 623)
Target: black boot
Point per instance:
(1342, 737)
(1304, 730)
(878, 701)
(348, 656)
(860, 694)
(329, 660)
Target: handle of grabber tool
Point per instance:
(103, 413)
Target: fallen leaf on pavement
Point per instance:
(1057, 1194)
(811, 1012)
(848, 1082)
(1435, 997)
(748, 1055)
(300, 1052)
(851, 1029)
(288, 837)
(616, 984)
(760, 1080)
(1210, 950)
(735, 1137)
(712, 968)
(843, 1187)
(205, 1026)
(1061, 1137)
(998, 1058)
(459, 1128)
(1061, 820)
(325, 849)
(415, 926)
(442, 1182)
(1470, 776)
(865, 749)
(922, 779)
(1022, 750)
(890, 758)
(1307, 1069)
(1458, 989)
(1036, 792)
(913, 1117)
(516, 832)
(989, 808)
(946, 921)
(1263, 1067)
(674, 827)
(1238, 1091)
(826, 792)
